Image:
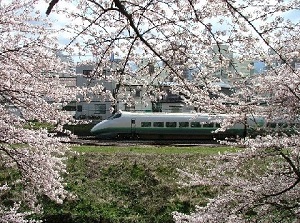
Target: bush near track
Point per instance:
(80, 129)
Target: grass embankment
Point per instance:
(130, 184)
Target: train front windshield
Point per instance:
(117, 115)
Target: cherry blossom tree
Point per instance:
(208, 40)
(32, 160)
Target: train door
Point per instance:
(133, 125)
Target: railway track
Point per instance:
(178, 143)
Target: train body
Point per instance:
(176, 126)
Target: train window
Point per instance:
(183, 124)
(295, 125)
(79, 108)
(146, 124)
(117, 115)
(218, 125)
(282, 125)
(208, 125)
(171, 124)
(196, 125)
(158, 124)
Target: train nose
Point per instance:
(93, 130)
(98, 127)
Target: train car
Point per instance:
(167, 126)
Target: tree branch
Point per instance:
(50, 7)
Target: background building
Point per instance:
(98, 107)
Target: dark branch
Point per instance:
(51, 5)
(260, 34)
(284, 191)
(128, 16)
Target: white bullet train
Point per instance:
(168, 126)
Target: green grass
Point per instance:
(131, 184)
(128, 184)
(208, 150)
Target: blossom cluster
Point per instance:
(30, 93)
